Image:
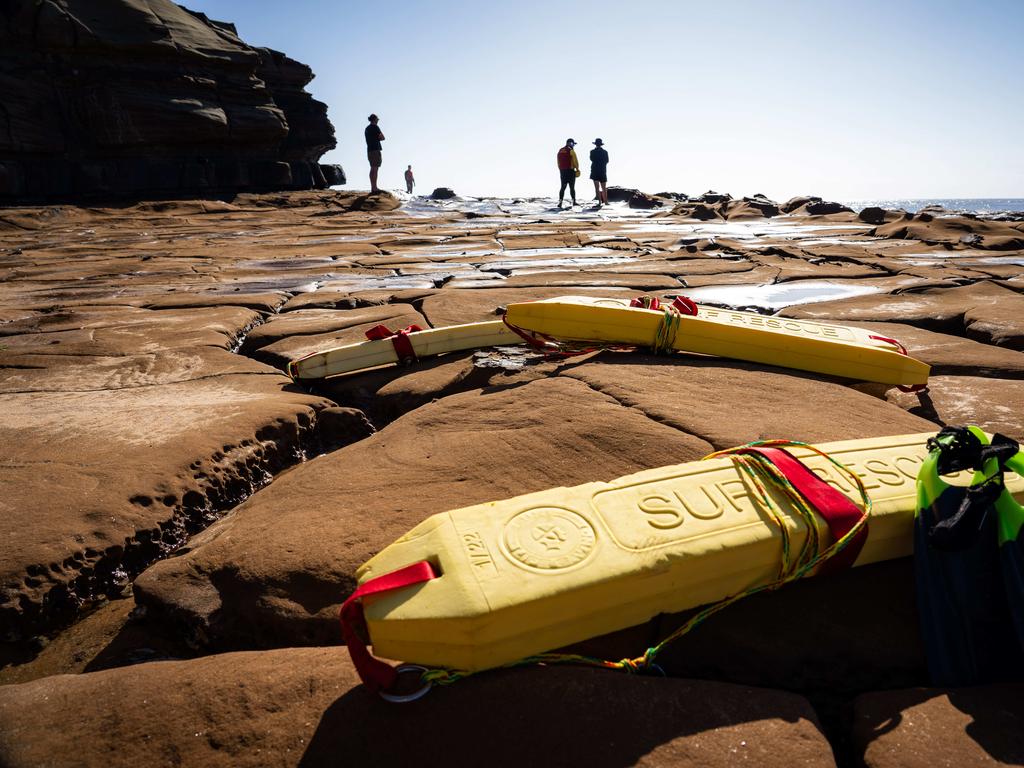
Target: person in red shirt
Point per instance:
(568, 170)
(410, 182)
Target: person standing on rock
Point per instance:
(568, 170)
(599, 171)
(410, 182)
(374, 137)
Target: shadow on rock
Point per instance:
(931, 724)
(563, 716)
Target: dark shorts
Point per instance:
(568, 175)
(374, 156)
(599, 176)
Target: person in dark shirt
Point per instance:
(599, 171)
(410, 180)
(374, 137)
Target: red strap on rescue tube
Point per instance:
(681, 304)
(399, 339)
(377, 675)
(839, 512)
(685, 305)
(645, 302)
(903, 351)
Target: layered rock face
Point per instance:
(140, 98)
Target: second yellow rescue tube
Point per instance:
(800, 344)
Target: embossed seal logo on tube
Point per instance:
(548, 538)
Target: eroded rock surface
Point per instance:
(275, 571)
(142, 357)
(104, 462)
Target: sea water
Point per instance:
(967, 205)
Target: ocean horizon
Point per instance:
(964, 204)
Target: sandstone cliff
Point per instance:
(137, 98)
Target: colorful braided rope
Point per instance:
(764, 477)
(665, 339)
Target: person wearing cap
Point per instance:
(568, 170)
(374, 137)
(599, 171)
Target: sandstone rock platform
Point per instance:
(182, 520)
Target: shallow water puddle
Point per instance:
(528, 266)
(777, 296)
(286, 263)
(738, 230)
(568, 252)
(397, 283)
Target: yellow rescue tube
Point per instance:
(804, 345)
(426, 343)
(540, 571)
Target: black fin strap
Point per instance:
(1002, 448)
(962, 451)
(960, 530)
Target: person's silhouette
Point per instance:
(374, 137)
(599, 171)
(568, 170)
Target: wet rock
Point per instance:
(275, 571)
(875, 215)
(677, 196)
(305, 707)
(985, 310)
(442, 193)
(644, 201)
(924, 727)
(569, 280)
(710, 197)
(683, 268)
(131, 98)
(621, 194)
(824, 208)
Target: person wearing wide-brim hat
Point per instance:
(599, 171)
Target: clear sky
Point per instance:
(848, 100)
